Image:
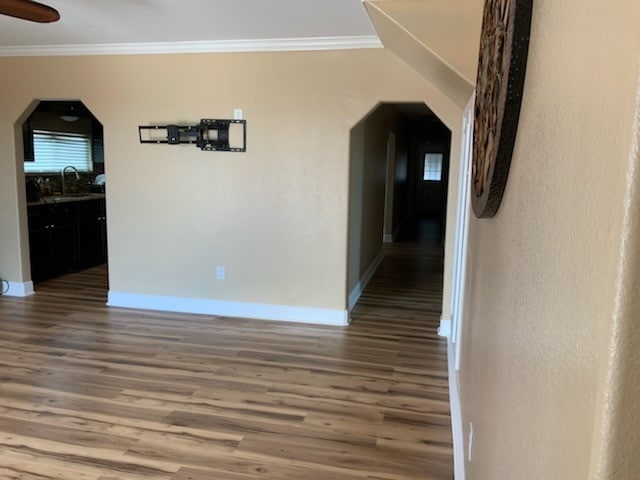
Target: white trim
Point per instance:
(211, 46)
(462, 230)
(456, 416)
(389, 185)
(390, 238)
(284, 313)
(444, 330)
(396, 232)
(354, 296)
(19, 289)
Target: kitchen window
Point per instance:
(52, 151)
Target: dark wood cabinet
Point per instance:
(39, 243)
(92, 232)
(66, 237)
(62, 234)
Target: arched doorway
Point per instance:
(63, 155)
(399, 174)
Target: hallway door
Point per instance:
(431, 181)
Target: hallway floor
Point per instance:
(96, 393)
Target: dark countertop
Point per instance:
(55, 199)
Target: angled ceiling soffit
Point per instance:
(437, 38)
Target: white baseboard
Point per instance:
(391, 237)
(456, 415)
(444, 330)
(364, 280)
(284, 313)
(18, 289)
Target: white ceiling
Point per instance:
(103, 22)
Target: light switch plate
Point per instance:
(220, 273)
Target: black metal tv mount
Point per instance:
(209, 134)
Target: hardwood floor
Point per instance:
(92, 393)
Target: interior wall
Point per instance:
(275, 216)
(542, 274)
(619, 443)
(440, 39)
(367, 181)
(449, 30)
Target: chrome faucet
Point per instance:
(62, 176)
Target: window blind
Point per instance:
(52, 151)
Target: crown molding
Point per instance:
(215, 46)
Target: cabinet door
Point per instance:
(63, 247)
(89, 241)
(39, 243)
(90, 233)
(102, 212)
(103, 239)
(63, 238)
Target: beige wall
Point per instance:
(367, 182)
(275, 216)
(438, 38)
(542, 278)
(450, 31)
(616, 451)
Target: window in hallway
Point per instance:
(432, 167)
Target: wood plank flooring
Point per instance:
(92, 393)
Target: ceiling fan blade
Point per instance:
(28, 10)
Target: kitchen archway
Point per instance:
(64, 178)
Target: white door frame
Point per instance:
(454, 347)
(462, 224)
(388, 233)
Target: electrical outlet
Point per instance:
(470, 448)
(220, 273)
(237, 114)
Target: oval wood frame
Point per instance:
(504, 45)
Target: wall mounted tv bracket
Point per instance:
(209, 134)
